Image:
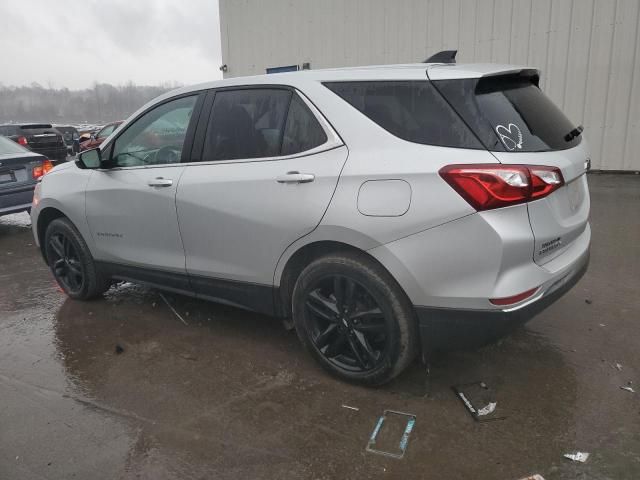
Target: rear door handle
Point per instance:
(296, 177)
(160, 182)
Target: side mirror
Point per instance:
(90, 159)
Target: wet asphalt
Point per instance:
(121, 388)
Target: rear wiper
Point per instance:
(574, 133)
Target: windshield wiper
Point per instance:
(574, 133)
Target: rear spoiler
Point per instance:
(480, 70)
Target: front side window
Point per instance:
(411, 110)
(106, 131)
(246, 124)
(157, 137)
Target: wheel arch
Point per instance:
(45, 217)
(306, 254)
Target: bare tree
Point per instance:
(100, 104)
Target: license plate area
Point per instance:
(7, 176)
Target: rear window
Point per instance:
(9, 147)
(509, 113)
(7, 130)
(411, 110)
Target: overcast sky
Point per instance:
(74, 43)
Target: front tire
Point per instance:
(354, 318)
(71, 262)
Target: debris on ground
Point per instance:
(479, 401)
(535, 476)
(577, 456)
(173, 309)
(488, 409)
(188, 356)
(628, 389)
(119, 349)
(588, 301)
(603, 324)
(619, 367)
(351, 408)
(374, 440)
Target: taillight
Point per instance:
(40, 170)
(23, 141)
(491, 186)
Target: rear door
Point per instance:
(130, 207)
(268, 169)
(520, 125)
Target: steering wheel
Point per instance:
(167, 154)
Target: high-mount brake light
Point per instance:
(489, 186)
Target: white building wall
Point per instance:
(588, 50)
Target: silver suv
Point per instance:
(390, 211)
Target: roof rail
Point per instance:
(445, 56)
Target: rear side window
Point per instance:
(246, 123)
(302, 131)
(510, 113)
(411, 110)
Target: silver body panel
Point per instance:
(234, 220)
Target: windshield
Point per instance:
(509, 113)
(9, 147)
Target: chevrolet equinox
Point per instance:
(390, 211)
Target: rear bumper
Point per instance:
(16, 200)
(443, 329)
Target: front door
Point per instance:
(130, 206)
(268, 169)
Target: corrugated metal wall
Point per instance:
(587, 49)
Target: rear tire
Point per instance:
(354, 318)
(71, 262)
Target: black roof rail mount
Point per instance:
(445, 56)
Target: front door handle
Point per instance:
(296, 177)
(160, 182)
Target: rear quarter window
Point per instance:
(302, 131)
(411, 110)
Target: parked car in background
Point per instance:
(20, 170)
(41, 138)
(71, 138)
(97, 138)
(390, 211)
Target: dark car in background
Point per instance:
(20, 171)
(99, 137)
(71, 138)
(41, 138)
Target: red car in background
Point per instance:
(100, 136)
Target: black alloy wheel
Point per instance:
(65, 263)
(347, 325)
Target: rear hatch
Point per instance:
(42, 137)
(518, 124)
